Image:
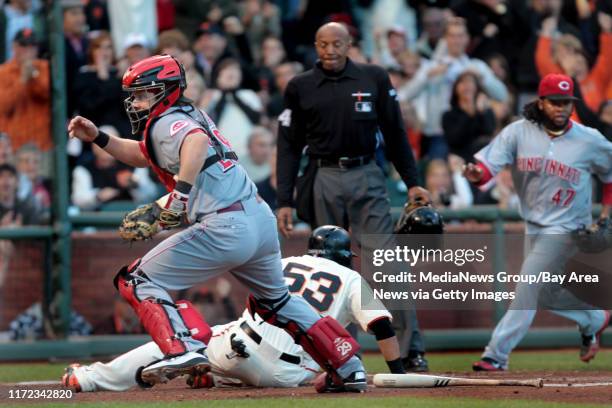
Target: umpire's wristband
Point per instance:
(102, 139)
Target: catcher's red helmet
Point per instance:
(163, 75)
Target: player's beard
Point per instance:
(551, 126)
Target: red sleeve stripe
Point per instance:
(607, 194)
(196, 130)
(486, 174)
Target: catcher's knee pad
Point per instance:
(125, 283)
(194, 321)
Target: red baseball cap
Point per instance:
(556, 87)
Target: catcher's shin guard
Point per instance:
(157, 323)
(155, 318)
(328, 343)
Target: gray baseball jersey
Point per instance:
(219, 186)
(552, 176)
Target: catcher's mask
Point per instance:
(163, 77)
(422, 219)
(331, 242)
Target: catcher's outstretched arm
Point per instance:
(126, 151)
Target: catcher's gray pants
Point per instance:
(357, 198)
(244, 243)
(547, 250)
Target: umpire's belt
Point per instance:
(345, 162)
(257, 339)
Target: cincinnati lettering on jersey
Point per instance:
(549, 166)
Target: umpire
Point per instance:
(336, 110)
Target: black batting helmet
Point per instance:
(420, 220)
(331, 242)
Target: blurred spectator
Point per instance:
(435, 78)
(174, 42)
(390, 46)
(190, 14)
(98, 86)
(567, 56)
(433, 20)
(102, 180)
(96, 15)
(234, 110)
(385, 14)
(166, 15)
(29, 165)
(132, 16)
(14, 17)
(446, 184)
(15, 211)
(409, 63)
(76, 44)
(211, 47)
(266, 188)
(261, 19)
(25, 97)
(525, 32)
(605, 115)
(282, 75)
(470, 123)
(489, 23)
(7, 157)
(29, 325)
(413, 127)
(504, 111)
(135, 48)
(261, 146)
(272, 55)
(586, 116)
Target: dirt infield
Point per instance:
(577, 390)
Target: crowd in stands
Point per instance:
(463, 69)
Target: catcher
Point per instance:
(252, 352)
(229, 229)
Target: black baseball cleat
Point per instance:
(356, 382)
(415, 363)
(162, 371)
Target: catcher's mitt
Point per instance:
(595, 238)
(146, 221)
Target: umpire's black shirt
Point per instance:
(338, 115)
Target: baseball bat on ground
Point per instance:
(434, 381)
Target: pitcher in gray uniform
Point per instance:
(552, 159)
(229, 229)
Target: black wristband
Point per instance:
(396, 366)
(102, 139)
(183, 187)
